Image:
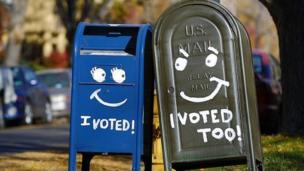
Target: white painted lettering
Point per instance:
(182, 119)
(218, 133)
(204, 115)
(118, 125)
(194, 118)
(213, 116)
(230, 134)
(104, 124)
(125, 125)
(112, 120)
(113, 124)
(85, 120)
(95, 123)
(172, 121)
(226, 115)
(204, 132)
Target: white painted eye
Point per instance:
(118, 75)
(98, 74)
(211, 60)
(180, 64)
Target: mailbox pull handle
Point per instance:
(114, 33)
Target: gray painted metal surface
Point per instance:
(205, 86)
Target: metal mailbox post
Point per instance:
(112, 78)
(206, 91)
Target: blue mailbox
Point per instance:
(112, 75)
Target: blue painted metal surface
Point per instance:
(108, 90)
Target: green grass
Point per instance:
(281, 153)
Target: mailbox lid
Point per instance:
(199, 28)
(109, 40)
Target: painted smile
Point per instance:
(220, 83)
(95, 95)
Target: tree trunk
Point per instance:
(16, 34)
(149, 11)
(13, 50)
(290, 27)
(288, 17)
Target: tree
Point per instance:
(72, 12)
(153, 8)
(288, 17)
(4, 21)
(258, 23)
(13, 50)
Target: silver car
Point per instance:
(58, 82)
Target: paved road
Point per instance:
(35, 138)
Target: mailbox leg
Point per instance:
(72, 160)
(167, 165)
(135, 162)
(148, 140)
(148, 155)
(251, 164)
(255, 165)
(260, 166)
(86, 160)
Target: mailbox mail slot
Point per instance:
(206, 89)
(108, 90)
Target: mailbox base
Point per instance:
(208, 164)
(257, 166)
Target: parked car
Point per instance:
(269, 91)
(58, 82)
(33, 99)
(8, 98)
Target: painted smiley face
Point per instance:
(99, 75)
(210, 61)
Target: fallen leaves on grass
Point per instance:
(54, 161)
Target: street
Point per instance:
(18, 139)
(45, 147)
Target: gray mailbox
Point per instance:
(206, 90)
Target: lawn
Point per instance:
(280, 154)
(54, 161)
(283, 153)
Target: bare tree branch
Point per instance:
(62, 11)
(85, 9)
(71, 8)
